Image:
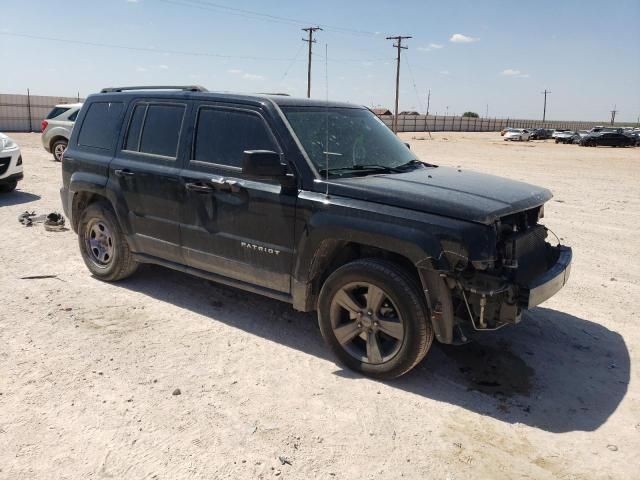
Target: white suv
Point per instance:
(56, 128)
(10, 164)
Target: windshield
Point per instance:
(358, 141)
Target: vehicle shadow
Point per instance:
(17, 197)
(554, 371)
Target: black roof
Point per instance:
(196, 92)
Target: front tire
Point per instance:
(58, 148)
(103, 246)
(8, 187)
(374, 317)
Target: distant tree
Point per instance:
(470, 115)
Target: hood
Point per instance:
(465, 195)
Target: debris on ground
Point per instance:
(53, 222)
(176, 392)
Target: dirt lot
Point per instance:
(87, 369)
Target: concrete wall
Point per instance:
(441, 123)
(15, 109)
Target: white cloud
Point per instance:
(141, 69)
(163, 67)
(444, 72)
(431, 46)
(510, 72)
(133, 1)
(234, 71)
(251, 76)
(460, 38)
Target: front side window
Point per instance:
(222, 136)
(345, 140)
(155, 129)
(100, 125)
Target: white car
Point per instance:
(10, 164)
(518, 134)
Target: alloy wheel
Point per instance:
(366, 322)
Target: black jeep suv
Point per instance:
(313, 203)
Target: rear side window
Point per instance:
(56, 112)
(222, 136)
(100, 125)
(73, 116)
(155, 129)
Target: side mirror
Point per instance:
(263, 164)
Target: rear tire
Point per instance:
(8, 187)
(384, 330)
(58, 148)
(103, 246)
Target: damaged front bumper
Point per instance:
(551, 282)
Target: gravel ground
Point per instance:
(89, 370)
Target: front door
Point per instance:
(234, 226)
(146, 172)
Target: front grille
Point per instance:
(4, 164)
(527, 253)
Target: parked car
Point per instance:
(505, 130)
(635, 136)
(10, 164)
(540, 134)
(558, 131)
(519, 134)
(567, 136)
(310, 202)
(56, 128)
(607, 139)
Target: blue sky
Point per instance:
(469, 53)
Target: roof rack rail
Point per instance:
(187, 88)
(275, 93)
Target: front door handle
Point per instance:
(198, 187)
(226, 184)
(123, 173)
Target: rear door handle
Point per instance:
(123, 173)
(198, 187)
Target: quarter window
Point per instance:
(222, 136)
(100, 125)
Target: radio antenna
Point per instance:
(326, 149)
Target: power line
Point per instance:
(242, 12)
(143, 49)
(413, 81)
(293, 60)
(399, 46)
(310, 41)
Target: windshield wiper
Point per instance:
(414, 163)
(360, 169)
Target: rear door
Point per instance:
(146, 171)
(232, 225)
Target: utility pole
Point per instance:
(486, 113)
(428, 101)
(399, 46)
(544, 112)
(310, 41)
(613, 114)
